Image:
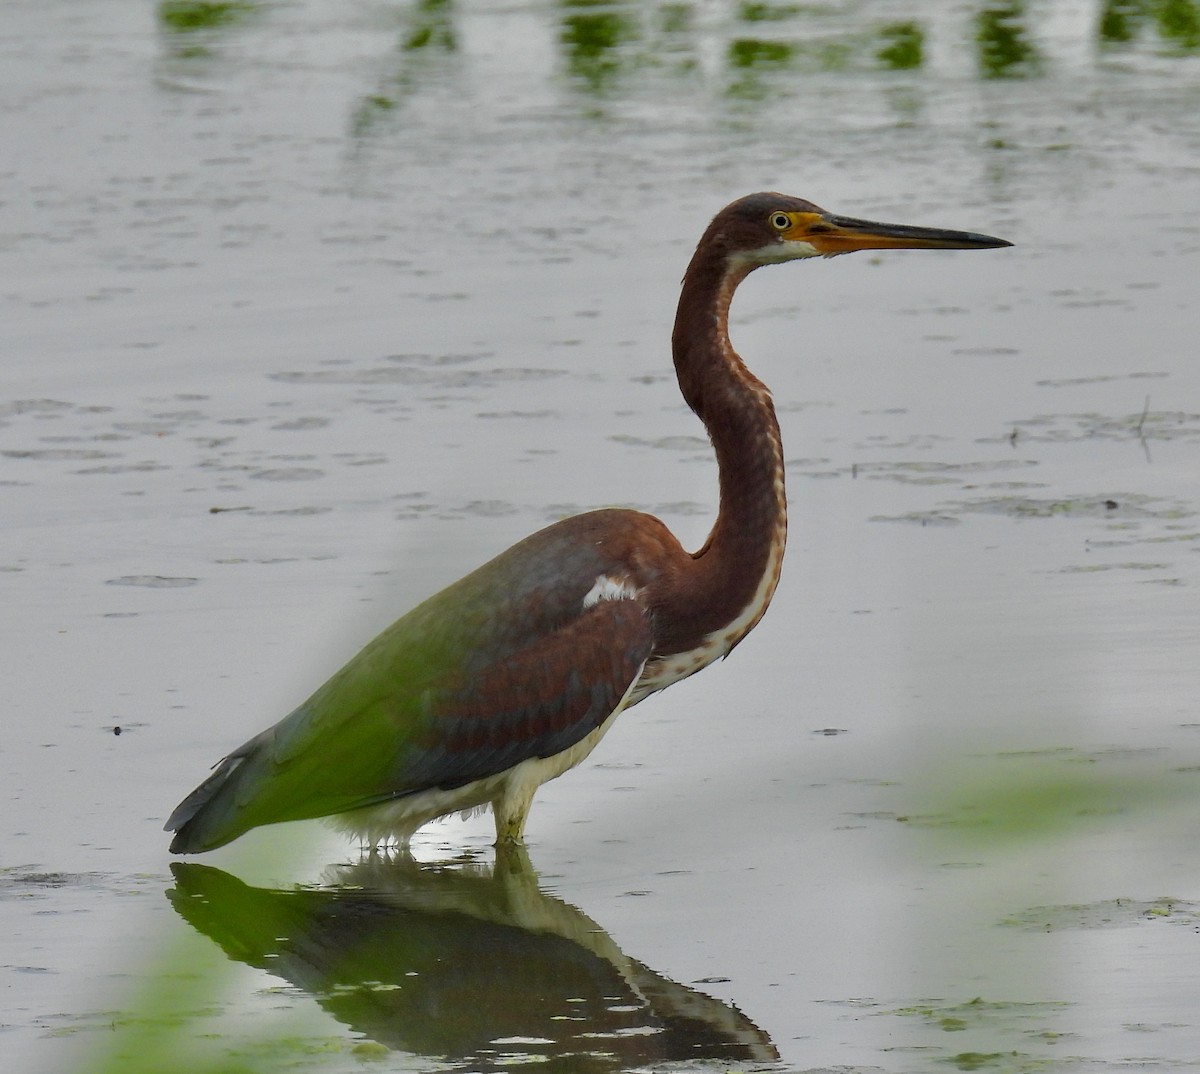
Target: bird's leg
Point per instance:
(510, 812)
(512, 863)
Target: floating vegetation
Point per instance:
(56, 454)
(435, 377)
(1142, 425)
(746, 52)
(976, 1012)
(930, 472)
(369, 111)
(432, 28)
(756, 11)
(1098, 568)
(1120, 21)
(1002, 39)
(666, 443)
(1108, 914)
(1122, 509)
(592, 40)
(185, 16)
(152, 581)
(904, 46)
(24, 881)
(1176, 21)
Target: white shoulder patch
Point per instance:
(607, 588)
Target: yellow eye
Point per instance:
(780, 221)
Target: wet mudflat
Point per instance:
(306, 310)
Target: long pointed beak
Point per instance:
(833, 234)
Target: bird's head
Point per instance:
(764, 229)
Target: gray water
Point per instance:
(306, 308)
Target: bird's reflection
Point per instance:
(465, 964)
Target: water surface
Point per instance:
(307, 309)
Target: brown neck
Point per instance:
(732, 577)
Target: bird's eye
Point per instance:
(780, 221)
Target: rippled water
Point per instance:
(307, 308)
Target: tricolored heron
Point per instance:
(511, 676)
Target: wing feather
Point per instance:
(508, 664)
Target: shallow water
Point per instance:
(308, 311)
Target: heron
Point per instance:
(511, 676)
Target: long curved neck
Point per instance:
(733, 576)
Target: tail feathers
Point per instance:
(209, 816)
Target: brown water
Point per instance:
(307, 311)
